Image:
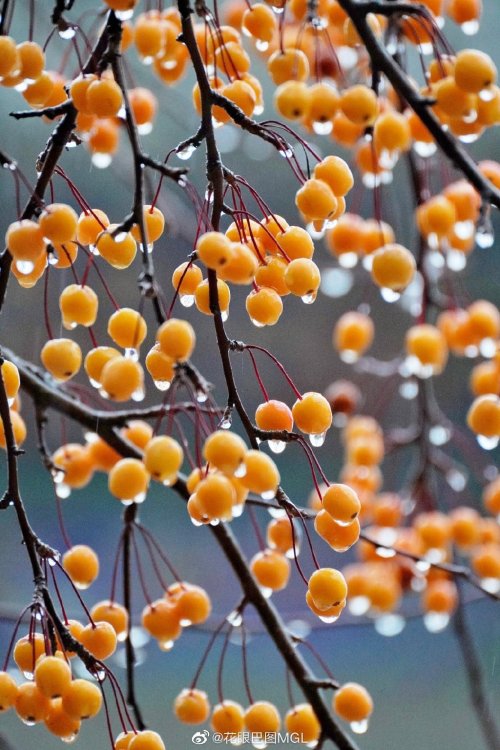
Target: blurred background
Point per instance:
(416, 678)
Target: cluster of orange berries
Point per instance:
(351, 702)
(184, 604)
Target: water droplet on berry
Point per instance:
(186, 300)
(491, 584)
(424, 150)
(63, 490)
(67, 33)
(385, 553)
(308, 299)
(317, 439)
(225, 423)
(257, 323)
(240, 471)
(435, 622)
(165, 645)
(277, 446)
(389, 295)
(138, 395)
(235, 618)
(286, 152)
(359, 727)
(348, 260)
(455, 260)
(322, 128)
(238, 510)
(100, 160)
(224, 315)
(29, 722)
(390, 625)
(24, 266)
(269, 495)
(261, 45)
(187, 152)
(470, 28)
(162, 385)
(124, 15)
(488, 443)
(145, 128)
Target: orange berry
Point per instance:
(104, 97)
(291, 63)
(427, 345)
(147, 739)
(336, 173)
(302, 720)
(280, 535)
(163, 457)
(186, 278)
(143, 104)
(262, 717)
(62, 358)
(353, 335)
(192, 602)
(74, 460)
(274, 415)
(118, 251)
(60, 724)
(264, 306)
(128, 480)
(339, 536)
(52, 676)
(32, 59)
(485, 561)
(10, 378)
(27, 651)
(312, 413)
(113, 613)
(327, 587)
(82, 700)
(328, 615)
(202, 297)
(216, 497)
(393, 267)
(10, 62)
(177, 339)
(160, 367)
(123, 740)
(342, 503)
(25, 242)
(100, 640)
(154, 225)
(484, 416)
(303, 278)
(295, 242)
(228, 718)
(122, 378)
(96, 359)
(224, 450)
(272, 275)
(127, 328)
(464, 527)
(352, 702)
(491, 497)
(78, 305)
(8, 691)
(161, 620)
(261, 474)
(213, 249)
(440, 596)
(31, 705)
(392, 132)
(323, 103)
(81, 564)
(191, 706)
(316, 200)
(292, 99)
(474, 70)
(58, 222)
(271, 569)
(360, 105)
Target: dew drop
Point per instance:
(187, 152)
(195, 522)
(317, 439)
(28, 675)
(308, 299)
(162, 385)
(389, 295)
(359, 727)
(385, 553)
(268, 495)
(488, 443)
(323, 128)
(69, 325)
(238, 510)
(316, 234)
(145, 128)
(435, 622)
(348, 260)
(186, 300)
(488, 348)
(261, 46)
(456, 479)
(93, 250)
(186, 623)
(240, 471)
(277, 446)
(67, 33)
(94, 383)
(100, 160)
(485, 236)
(69, 738)
(63, 490)
(139, 498)
(487, 94)
(138, 395)
(328, 619)
(124, 15)
(235, 618)
(165, 645)
(224, 315)
(52, 259)
(336, 282)
(214, 522)
(389, 625)
(201, 396)
(29, 722)
(276, 512)
(226, 423)
(349, 356)
(470, 28)
(435, 555)
(425, 150)
(491, 584)
(257, 323)
(24, 267)
(286, 153)
(455, 260)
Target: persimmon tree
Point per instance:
(378, 78)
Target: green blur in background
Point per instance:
(417, 679)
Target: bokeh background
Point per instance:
(417, 679)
